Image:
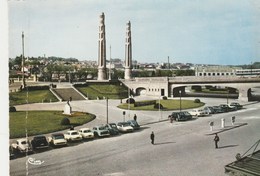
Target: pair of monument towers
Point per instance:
(102, 50)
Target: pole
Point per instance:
(107, 109)
(128, 103)
(110, 65)
(23, 79)
(227, 95)
(180, 99)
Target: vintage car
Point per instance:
(124, 127)
(237, 105)
(86, 133)
(180, 116)
(72, 135)
(39, 142)
(22, 145)
(100, 131)
(134, 124)
(57, 139)
(112, 128)
(198, 112)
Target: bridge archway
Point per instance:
(140, 91)
(176, 91)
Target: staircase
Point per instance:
(66, 93)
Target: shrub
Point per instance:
(130, 100)
(65, 121)
(145, 103)
(197, 100)
(164, 98)
(12, 109)
(157, 106)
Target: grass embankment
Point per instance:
(111, 91)
(167, 105)
(34, 96)
(41, 122)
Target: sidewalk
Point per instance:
(226, 128)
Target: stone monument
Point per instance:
(102, 49)
(67, 109)
(128, 52)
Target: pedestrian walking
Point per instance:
(71, 127)
(152, 138)
(135, 117)
(216, 139)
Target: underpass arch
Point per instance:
(140, 91)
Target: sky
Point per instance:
(222, 32)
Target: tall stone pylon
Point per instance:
(102, 49)
(128, 52)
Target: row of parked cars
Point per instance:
(58, 139)
(207, 110)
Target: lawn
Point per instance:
(167, 104)
(33, 96)
(41, 122)
(110, 91)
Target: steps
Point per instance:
(66, 93)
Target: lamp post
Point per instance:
(107, 108)
(68, 64)
(180, 99)
(227, 95)
(23, 79)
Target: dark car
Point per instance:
(180, 116)
(227, 108)
(218, 109)
(134, 124)
(39, 142)
(209, 109)
(237, 105)
(112, 128)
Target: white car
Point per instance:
(101, 131)
(198, 112)
(22, 145)
(72, 135)
(86, 133)
(57, 139)
(124, 127)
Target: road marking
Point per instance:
(33, 161)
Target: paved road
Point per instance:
(182, 148)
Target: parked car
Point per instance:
(237, 105)
(112, 128)
(209, 110)
(227, 108)
(100, 131)
(124, 127)
(57, 139)
(72, 135)
(134, 124)
(11, 153)
(39, 142)
(180, 116)
(86, 133)
(218, 109)
(198, 112)
(22, 146)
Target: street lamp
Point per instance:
(180, 99)
(68, 64)
(107, 108)
(227, 95)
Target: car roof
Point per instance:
(56, 134)
(72, 131)
(22, 139)
(84, 129)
